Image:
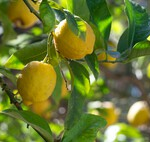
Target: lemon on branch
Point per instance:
(36, 82)
(139, 114)
(70, 45)
(20, 14)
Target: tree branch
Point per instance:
(32, 9)
(10, 95)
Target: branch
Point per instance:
(32, 9)
(10, 95)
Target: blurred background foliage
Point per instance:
(120, 84)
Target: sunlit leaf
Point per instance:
(81, 87)
(79, 8)
(85, 129)
(77, 25)
(92, 62)
(35, 121)
(140, 49)
(100, 16)
(138, 27)
(47, 15)
(35, 51)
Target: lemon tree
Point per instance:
(62, 53)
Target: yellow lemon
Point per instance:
(106, 109)
(110, 112)
(70, 45)
(42, 108)
(102, 56)
(36, 82)
(64, 89)
(20, 14)
(139, 114)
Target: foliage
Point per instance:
(83, 77)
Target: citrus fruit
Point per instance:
(36, 82)
(139, 113)
(106, 109)
(70, 45)
(42, 108)
(110, 112)
(20, 14)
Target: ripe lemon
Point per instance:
(139, 114)
(71, 46)
(110, 112)
(106, 109)
(20, 14)
(102, 56)
(36, 82)
(42, 108)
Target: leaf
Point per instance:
(35, 121)
(57, 91)
(77, 25)
(85, 130)
(47, 15)
(8, 74)
(100, 16)
(138, 28)
(79, 8)
(81, 87)
(35, 51)
(9, 32)
(140, 49)
(93, 64)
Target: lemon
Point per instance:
(110, 112)
(36, 82)
(106, 109)
(102, 56)
(71, 46)
(42, 108)
(139, 114)
(20, 14)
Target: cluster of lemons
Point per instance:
(37, 80)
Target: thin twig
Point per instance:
(32, 9)
(10, 95)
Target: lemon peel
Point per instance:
(36, 82)
(70, 45)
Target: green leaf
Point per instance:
(47, 15)
(9, 32)
(138, 28)
(79, 8)
(8, 74)
(57, 91)
(85, 130)
(140, 49)
(100, 16)
(81, 87)
(77, 25)
(35, 121)
(93, 64)
(35, 51)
